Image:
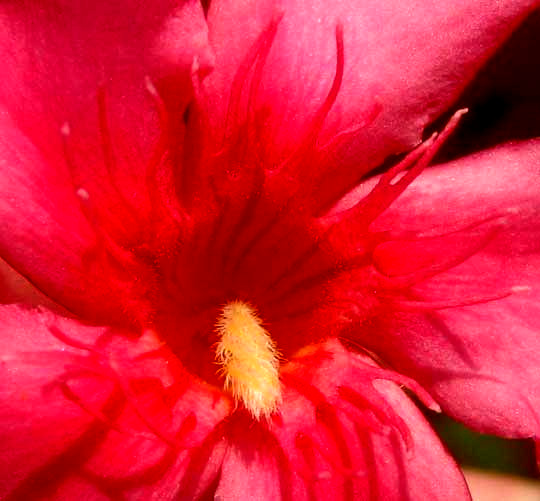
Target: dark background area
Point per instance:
(504, 99)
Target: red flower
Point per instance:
(222, 304)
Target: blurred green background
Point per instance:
(472, 449)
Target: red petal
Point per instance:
(411, 62)
(89, 408)
(46, 238)
(481, 362)
(341, 430)
(78, 117)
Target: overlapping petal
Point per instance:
(94, 411)
(344, 428)
(92, 149)
(480, 361)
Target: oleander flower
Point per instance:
(220, 300)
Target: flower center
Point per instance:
(249, 359)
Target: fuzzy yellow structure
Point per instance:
(249, 360)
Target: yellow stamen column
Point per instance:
(249, 359)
